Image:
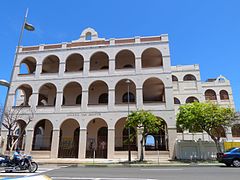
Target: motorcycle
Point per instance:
(11, 165)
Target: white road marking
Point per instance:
(90, 178)
(161, 169)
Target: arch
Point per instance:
(50, 64)
(121, 136)
(71, 93)
(152, 57)
(98, 61)
(95, 90)
(224, 95)
(176, 101)
(154, 94)
(69, 139)
(189, 77)
(160, 138)
(20, 131)
(28, 65)
(74, 63)
(97, 138)
(42, 138)
(174, 78)
(125, 59)
(236, 130)
(192, 99)
(121, 91)
(22, 95)
(47, 95)
(210, 95)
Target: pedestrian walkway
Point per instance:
(41, 169)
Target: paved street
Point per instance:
(135, 173)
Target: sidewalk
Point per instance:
(123, 163)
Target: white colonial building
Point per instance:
(78, 92)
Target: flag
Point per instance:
(29, 27)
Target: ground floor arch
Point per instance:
(97, 139)
(121, 136)
(69, 139)
(158, 140)
(42, 137)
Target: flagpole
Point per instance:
(14, 63)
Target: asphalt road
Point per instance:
(143, 173)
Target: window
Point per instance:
(131, 97)
(103, 98)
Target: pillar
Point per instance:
(139, 97)
(82, 144)
(111, 143)
(172, 135)
(138, 63)
(139, 138)
(29, 140)
(111, 99)
(55, 143)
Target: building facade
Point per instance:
(78, 95)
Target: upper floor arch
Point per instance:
(189, 77)
(28, 65)
(50, 64)
(74, 63)
(151, 57)
(125, 59)
(99, 61)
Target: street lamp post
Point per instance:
(6, 84)
(129, 132)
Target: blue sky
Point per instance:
(200, 31)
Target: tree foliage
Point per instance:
(10, 117)
(207, 117)
(146, 123)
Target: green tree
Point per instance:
(207, 117)
(146, 123)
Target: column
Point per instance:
(138, 62)
(139, 97)
(111, 66)
(111, 143)
(169, 98)
(4, 134)
(86, 67)
(58, 103)
(172, 136)
(82, 144)
(111, 99)
(55, 143)
(84, 104)
(61, 69)
(38, 70)
(33, 100)
(29, 140)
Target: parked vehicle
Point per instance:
(12, 165)
(230, 157)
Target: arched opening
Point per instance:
(224, 95)
(98, 93)
(189, 77)
(50, 64)
(174, 78)
(236, 130)
(98, 61)
(72, 94)
(47, 95)
(176, 101)
(103, 98)
(191, 99)
(69, 139)
(153, 91)
(20, 131)
(121, 136)
(88, 36)
(157, 141)
(97, 138)
(74, 63)
(152, 57)
(22, 95)
(42, 138)
(28, 66)
(210, 95)
(125, 59)
(121, 92)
